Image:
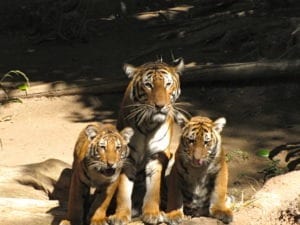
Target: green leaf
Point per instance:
(23, 87)
(263, 153)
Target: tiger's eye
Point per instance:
(206, 138)
(168, 84)
(206, 142)
(148, 85)
(102, 147)
(191, 141)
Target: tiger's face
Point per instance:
(107, 149)
(201, 140)
(154, 88)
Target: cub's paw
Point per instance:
(174, 217)
(153, 218)
(225, 215)
(99, 221)
(119, 219)
(65, 222)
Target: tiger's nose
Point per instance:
(161, 108)
(110, 164)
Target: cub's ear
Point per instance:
(91, 132)
(219, 124)
(181, 119)
(129, 70)
(127, 134)
(179, 65)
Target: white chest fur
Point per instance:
(159, 140)
(143, 146)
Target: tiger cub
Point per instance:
(99, 155)
(197, 184)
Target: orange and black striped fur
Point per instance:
(149, 108)
(197, 184)
(99, 155)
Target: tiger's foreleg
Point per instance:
(78, 194)
(218, 207)
(123, 208)
(155, 169)
(101, 203)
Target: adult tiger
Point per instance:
(99, 155)
(149, 108)
(197, 185)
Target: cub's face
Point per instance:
(107, 149)
(201, 140)
(154, 89)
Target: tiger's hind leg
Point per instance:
(218, 207)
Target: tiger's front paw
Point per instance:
(225, 215)
(119, 219)
(153, 217)
(174, 217)
(99, 221)
(65, 222)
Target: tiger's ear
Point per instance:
(129, 70)
(127, 134)
(179, 65)
(219, 124)
(181, 119)
(91, 132)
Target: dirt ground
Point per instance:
(260, 114)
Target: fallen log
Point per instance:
(15, 211)
(243, 71)
(26, 192)
(199, 74)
